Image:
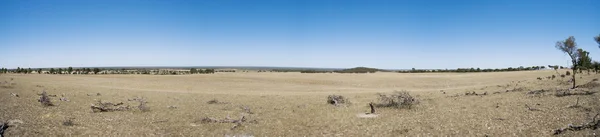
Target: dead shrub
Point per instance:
(397, 99)
(45, 99)
(142, 106)
(337, 100)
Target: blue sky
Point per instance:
(396, 34)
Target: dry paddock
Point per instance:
(294, 104)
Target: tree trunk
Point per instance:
(574, 72)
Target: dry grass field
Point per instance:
(294, 104)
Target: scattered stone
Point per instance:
(14, 94)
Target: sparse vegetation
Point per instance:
(286, 107)
(569, 47)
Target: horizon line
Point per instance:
(271, 67)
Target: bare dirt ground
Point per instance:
(294, 104)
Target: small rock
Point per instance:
(64, 99)
(14, 94)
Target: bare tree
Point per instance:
(570, 48)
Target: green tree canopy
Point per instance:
(96, 70)
(597, 38)
(584, 62)
(70, 69)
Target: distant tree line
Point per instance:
(68, 70)
(351, 70)
(463, 70)
(201, 71)
(71, 70)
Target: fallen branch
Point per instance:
(3, 128)
(237, 122)
(531, 109)
(576, 104)
(108, 107)
(215, 101)
(594, 124)
(541, 91)
(563, 93)
(226, 120)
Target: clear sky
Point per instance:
(396, 34)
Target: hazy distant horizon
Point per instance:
(316, 33)
(261, 67)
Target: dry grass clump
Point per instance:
(337, 100)
(397, 99)
(68, 122)
(45, 99)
